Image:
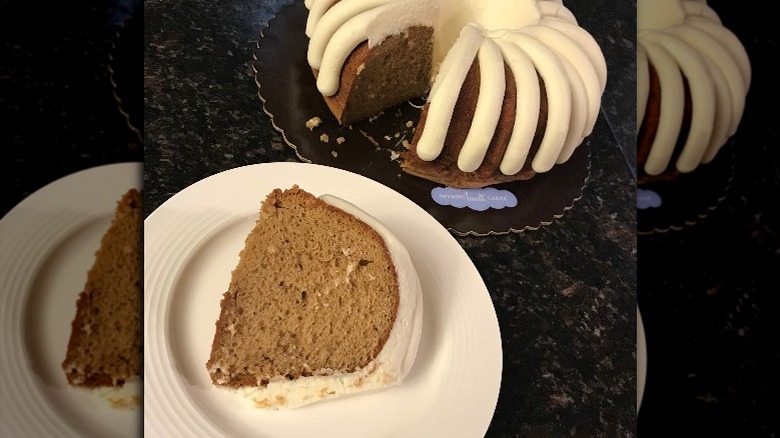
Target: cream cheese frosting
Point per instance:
(393, 362)
(537, 36)
(336, 31)
(686, 40)
(127, 396)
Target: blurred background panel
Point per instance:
(709, 292)
(59, 111)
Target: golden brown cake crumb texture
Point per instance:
(314, 292)
(375, 79)
(105, 342)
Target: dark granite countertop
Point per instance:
(564, 294)
(709, 293)
(58, 112)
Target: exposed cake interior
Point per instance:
(321, 304)
(104, 349)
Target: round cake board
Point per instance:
(125, 66)
(288, 92)
(672, 205)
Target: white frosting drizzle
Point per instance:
(579, 112)
(587, 43)
(688, 36)
(672, 102)
(557, 10)
(350, 22)
(444, 93)
(559, 100)
(731, 43)
(335, 19)
(702, 92)
(723, 113)
(492, 86)
(526, 109)
(568, 49)
(700, 9)
(716, 53)
(317, 10)
(540, 35)
(391, 365)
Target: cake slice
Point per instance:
(104, 349)
(324, 302)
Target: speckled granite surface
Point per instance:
(708, 294)
(564, 294)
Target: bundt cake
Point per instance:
(104, 349)
(515, 86)
(692, 78)
(324, 302)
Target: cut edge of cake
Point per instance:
(111, 366)
(388, 368)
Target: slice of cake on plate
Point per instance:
(324, 302)
(104, 350)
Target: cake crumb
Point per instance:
(334, 153)
(406, 144)
(371, 139)
(360, 68)
(341, 140)
(313, 123)
(387, 137)
(397, 134)
(394, 155)
(409, 124)
(324, 138)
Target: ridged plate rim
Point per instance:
(29, 234)
(463, 334)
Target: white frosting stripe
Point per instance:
(317, 10)
(671, 111)
(373, 25)
(579, 113)
(731, 43)
(723, 113)
(723, 62)
(526, 108)
(568, 49)
(702, 97)
(700, 9)
(558, 10)
(345, 17)
(445, 92)
(492, 86)
(588, 45)
(642, 85)
(559, 99)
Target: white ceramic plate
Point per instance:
(191, 245)
(641, 360)
(48, 243)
